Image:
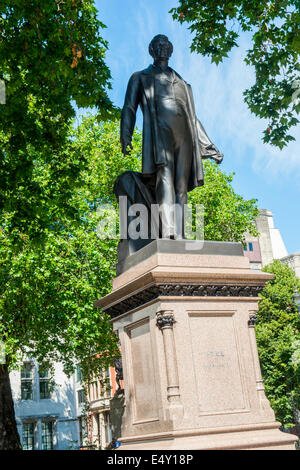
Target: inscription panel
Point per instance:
(216, 362)
(145, 395)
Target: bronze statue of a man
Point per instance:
(174, 140)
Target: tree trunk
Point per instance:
(9, 436)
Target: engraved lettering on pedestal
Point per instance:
(165, 321)
(216, 359)
(216, 362)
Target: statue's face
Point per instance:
(161, 49)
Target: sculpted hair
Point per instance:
(157, 37)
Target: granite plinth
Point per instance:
(127, 260)
(191, 370)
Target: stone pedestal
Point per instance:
(185, 317)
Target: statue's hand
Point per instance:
(125, 144)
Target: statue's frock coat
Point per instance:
(140, 91)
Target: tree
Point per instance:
(227, 215)
(47, 291)
(274, 54)
(51, 60)
(278, 340)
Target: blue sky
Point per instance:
(262, 172)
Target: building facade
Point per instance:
(95, 409)
(45, 407)
(54, 412)
(268, 246)
(293, 261)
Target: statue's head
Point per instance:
(160, 47)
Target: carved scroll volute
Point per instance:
(165, 319)
(252, 320)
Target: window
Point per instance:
(78, 374)
(26, 381)
(81, 396)
(245, 246)
(82, 430)
(107, 427)
(98, 420)
(47, 435)
(250, 246)
(106, 388)
(94, 392)
(44, 384)
(28, 436)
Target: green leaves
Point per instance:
(47, 289)
(52, 57)
(274, 54)
(278, 340)
(227, 216)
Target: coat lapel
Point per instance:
(147, 78)
(148, 85)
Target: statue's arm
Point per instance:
(128, 115)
